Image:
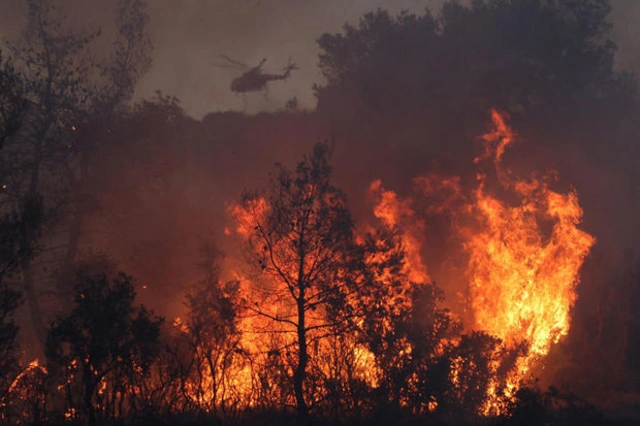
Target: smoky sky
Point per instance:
(188, 36)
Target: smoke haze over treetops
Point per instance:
(188, 37)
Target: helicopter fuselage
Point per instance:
(255, 80)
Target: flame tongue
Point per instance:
(522, 286)
(524, 260)
(395, 212)
(522, 282)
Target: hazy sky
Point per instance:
(189, 39)
(189, 35)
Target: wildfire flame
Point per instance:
(522, 279)
(524, 256)
(524, 251)
(394, 212)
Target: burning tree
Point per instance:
(213, 336)
(524, 249)
(302, 237)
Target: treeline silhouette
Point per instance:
(92, 183)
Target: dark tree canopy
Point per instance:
(105, 342)
(57, 101)
(510, 54)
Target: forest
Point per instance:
(449, 237)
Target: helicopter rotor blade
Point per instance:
(228, 66)
(233, 61)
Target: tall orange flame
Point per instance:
(524, 254)
(395, 212)
(524, 258)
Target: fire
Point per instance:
(523, 248)
(394, 212)
(31, 367)
(246, 217)
(496, 140)
(524, 257)
(24, 393)
(522, 285)
(269, 325)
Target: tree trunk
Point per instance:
(301, 369)
(35, 311)
(88, 394)
(64, 281)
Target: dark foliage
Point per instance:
(18, 232)
(103, 345)
(514, 55)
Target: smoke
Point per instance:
(626, 33)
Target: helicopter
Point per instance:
(254, 79)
